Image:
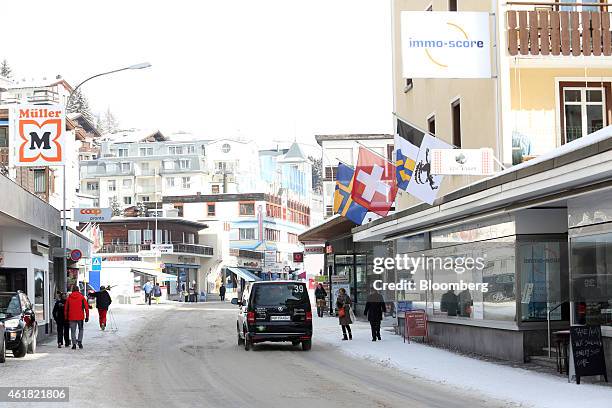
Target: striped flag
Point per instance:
(343, 202)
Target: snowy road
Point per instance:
(182, 355)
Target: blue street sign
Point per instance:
(94, 279)
(96, 263)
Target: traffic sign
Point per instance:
(96, 263)
(75, 255)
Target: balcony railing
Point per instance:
(552, 32)
(44, 97)
(135, 248)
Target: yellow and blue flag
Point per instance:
(343, 202)
(405, 160)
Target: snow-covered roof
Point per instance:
(43, 82)
(133, 136)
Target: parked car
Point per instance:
(274, 311)
(19, 321)
(2, 344)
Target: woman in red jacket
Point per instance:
(75, 310)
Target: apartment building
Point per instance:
(144, 171)
(129, 257)
(345, 148)
(250, 224)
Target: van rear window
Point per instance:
(280, 294)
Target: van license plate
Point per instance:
(280, 318)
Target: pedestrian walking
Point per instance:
(343, 303)
(222, 292)
(157, 293)
(148, 290)
(63, 328)
(320, 295)
(75, 310)
(375, 310)
(103, 301)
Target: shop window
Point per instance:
(39, 295)
(543, 272)
(584, 108)
(247, 208)
(591, 279)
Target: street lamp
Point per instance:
(141, 65)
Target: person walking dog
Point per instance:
(343, 303)
(75, 310)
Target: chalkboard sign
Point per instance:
(588, 352)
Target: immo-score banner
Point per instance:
(445, 44)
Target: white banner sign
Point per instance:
(477, 162)
(162, 248)
(423, 184)
(441, 44)
(38, 134)
(92, 214)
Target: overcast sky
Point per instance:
(262, 69)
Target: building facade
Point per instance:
(162, 249)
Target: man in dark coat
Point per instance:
(320, 295)
(63, 328)
(375, 310)
(222, 292)
(449, 303)
(103, 301)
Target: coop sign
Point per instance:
(38, 135)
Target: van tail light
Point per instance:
(251, 317)
(309, 316)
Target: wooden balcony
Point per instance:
(553, 32)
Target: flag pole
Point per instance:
(376, 153)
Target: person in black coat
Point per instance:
(375, 310)
(63, 328)
(320, 295)
(222, 292)
(103, 302)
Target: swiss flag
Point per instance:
(374, 183)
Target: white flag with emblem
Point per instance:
(423, 184)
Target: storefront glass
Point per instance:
(591, 279)
(543, 271)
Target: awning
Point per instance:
(333, 228)
(244, 274)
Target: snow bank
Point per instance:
(501, 382)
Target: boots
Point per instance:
(350, 336)
(344, 337)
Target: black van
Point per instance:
(274, 311)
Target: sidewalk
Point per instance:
(506, 383)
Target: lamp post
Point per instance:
(142, 65)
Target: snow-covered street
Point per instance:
(510, 384)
